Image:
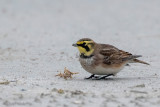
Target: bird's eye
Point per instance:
(84, 43)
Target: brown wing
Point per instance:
(112, 55)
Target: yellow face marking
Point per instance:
(80, 42)
(86, 44)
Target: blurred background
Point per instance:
(61, 20)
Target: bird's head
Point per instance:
(85, 46)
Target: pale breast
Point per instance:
(87, 63)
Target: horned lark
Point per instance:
(103, 59)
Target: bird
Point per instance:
(103, 60)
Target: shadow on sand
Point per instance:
(121, 79)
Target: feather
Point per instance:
(139, 61)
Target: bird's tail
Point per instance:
(132, 59)
(139, 61)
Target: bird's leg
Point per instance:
(96, 77)
(105, 76)
(90, 76)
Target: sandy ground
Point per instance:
(35, 42)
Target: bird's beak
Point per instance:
(75, 45)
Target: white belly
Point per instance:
(99, 70)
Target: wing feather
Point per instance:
(113, 55)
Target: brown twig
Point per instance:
(67, 74)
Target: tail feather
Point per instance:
(135, 56)
(139, 61)
(131, 57)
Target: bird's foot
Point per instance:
(90, 76)
(103, 77)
